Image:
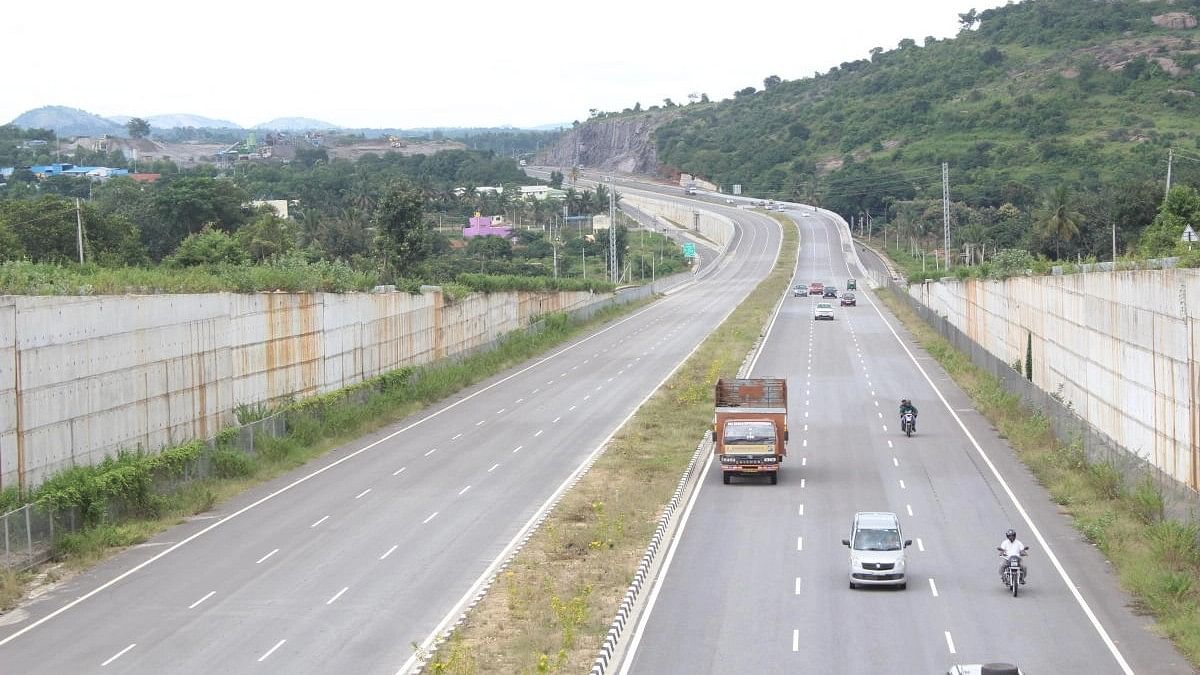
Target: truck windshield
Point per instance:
(749, 433)
(877, 540)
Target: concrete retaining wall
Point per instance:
(82, 378)
(1117, 349)
(712, 226)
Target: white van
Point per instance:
(877, 550)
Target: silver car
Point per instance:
(877, 550)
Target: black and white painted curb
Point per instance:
(660, 539)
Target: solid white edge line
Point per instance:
(643, 620)
(271, 650)
(196, 604)
(118, 655)
(1037, 534)
(648, 610)
(425, 646)
(289, 486)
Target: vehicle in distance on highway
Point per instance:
(799, 291)
(815, 288)
(823, 310)
(877, 550)
(848, 300)
(829, 292)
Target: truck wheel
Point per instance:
(725, 477)
(774, 478)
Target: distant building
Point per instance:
(487, 226)
(279, 206)
(542, 192)
(146, 177)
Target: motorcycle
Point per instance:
(1012, 573)
(908, 422)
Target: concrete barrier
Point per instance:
(82, 378)
(1115, 352)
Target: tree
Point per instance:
(402, 235)
(908, 43)
(266, 236)
(741, 93)
(1180, 209)
(183, 205)
(771, 81)
(209, 246)
(968, 20)
(668, 103)
(556, 180)
(704, 98)
(137, 127)
(1058, 220)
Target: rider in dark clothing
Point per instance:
(907, 406)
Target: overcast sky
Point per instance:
(421, 63)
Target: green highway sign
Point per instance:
(689, 250)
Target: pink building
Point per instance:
(487, 226)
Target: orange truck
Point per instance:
(750, 427)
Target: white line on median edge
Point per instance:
(118, 655)
(1037, 534)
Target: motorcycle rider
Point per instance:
(1010, 546)
(907, 406)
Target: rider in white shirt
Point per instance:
(1010, 546)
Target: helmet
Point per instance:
(1011, 534)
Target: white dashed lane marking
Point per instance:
(389, 552)
(118, 655)
(319, 521)
(271, 651)
(196, 604)
(264, 558)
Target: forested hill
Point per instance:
(1084, 94)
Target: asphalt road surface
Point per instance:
(757, 579)
(343, 565)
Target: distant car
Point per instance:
(829, 292)
(848, 300)
(815, 288)
(728, 200)
(799, 290)
(877, 550)
(851, 284)
(823, 310)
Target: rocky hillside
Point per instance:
(623, 144)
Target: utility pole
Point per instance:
(614, 272)
(79, 229)
(946, 210)
(554, 244)
(1170, 161)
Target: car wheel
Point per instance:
(853, 585)
(726, 477)
(903, 586)
(774, 478)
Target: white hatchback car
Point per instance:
(877, 550)
(823, 310)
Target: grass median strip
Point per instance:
(550, 610)
(1156, 560)
(126, 485)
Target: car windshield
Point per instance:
(877, 540)
(749, 433)
(824, 305)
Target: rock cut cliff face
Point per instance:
(620, 144)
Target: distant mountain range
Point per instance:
(75, 122)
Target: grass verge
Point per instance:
(1156, 560)
(315, 426)
(551, 609)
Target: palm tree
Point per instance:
(1058, 220)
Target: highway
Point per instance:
(757, 579)
(343, 565)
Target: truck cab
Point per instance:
(750, 427)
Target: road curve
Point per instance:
(757, 580)
(343, 565)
